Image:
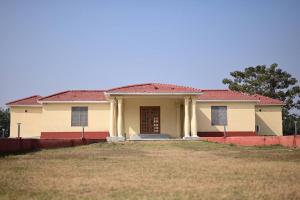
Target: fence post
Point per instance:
(82, 133)
(19, 138)
(295, 134)
(225, 134)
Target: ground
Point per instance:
(152, 170)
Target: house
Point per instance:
(143, 109)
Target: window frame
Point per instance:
(218, 123)
(81, 116)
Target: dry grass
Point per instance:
(152, 170)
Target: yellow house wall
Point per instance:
(30, 121)
(269, 118)
(57, 117)
(240, 117)
(168, 115)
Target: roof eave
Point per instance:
(152, 93)
(272, 104)
(226, 100)
(24, 105)
(104, 101)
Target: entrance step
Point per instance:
(150, 137)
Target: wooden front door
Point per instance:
(150, 119)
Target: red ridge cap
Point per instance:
(76, 95)
(55, 94)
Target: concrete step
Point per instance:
(150, 137)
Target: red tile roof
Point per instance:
(225, 95)
(263, 100)
(32, 100)
(154, 88)
(76, 95)
(229, 95)
(99, 95)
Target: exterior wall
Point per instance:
(240, 117)
(168, 115)
(30, 121)
(57, 117)
(269, 119)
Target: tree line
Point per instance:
(4, 122)
(271, 82)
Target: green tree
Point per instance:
(271, 82)
(4, 120)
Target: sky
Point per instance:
(56, 45)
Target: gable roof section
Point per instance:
(263, 100)
(154, 88)
(75, 95)
(28, 101)
(225, 95)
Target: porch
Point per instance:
(155, 117)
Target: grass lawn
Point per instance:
(152, 170)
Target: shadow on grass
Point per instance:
(22, 152)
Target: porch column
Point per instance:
(112, 130)
(120, 118)
(178, 121)
(194, 118)
(187, 117)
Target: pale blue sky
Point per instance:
(50, 46)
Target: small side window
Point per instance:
(79, 116)
(219, 115)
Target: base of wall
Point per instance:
(74, 135)
(228, 134)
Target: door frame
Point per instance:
(148, 107)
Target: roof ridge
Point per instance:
(154, 84)
(66, 91)
(15, 101)
(127, 86)
(51, 95)
(86, 90)
(175, 85)
(215, 90)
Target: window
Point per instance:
(79, 116)
(219, 115)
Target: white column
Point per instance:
(115, 118)
(194, 118)
(178, 121)
(187, 117)
(120, 118)
(112, 129)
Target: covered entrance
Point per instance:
(150, 119)
(152, 111)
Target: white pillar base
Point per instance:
(191, 138)
(115, 139)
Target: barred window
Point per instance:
(219, 115)
(79, 116)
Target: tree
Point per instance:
(4, 120)
(271, 82)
